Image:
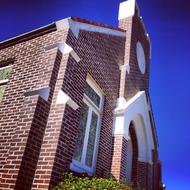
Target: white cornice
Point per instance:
(63, 98)
(65, 49)
(77, 26)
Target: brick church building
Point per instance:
(74, 95)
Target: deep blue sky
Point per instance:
(168, 24)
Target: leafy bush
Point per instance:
(71, 182)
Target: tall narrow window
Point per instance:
(85, 153)
(4, 74)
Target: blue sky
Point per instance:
(168, 24)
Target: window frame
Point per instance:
(4, 81)
(81, 166)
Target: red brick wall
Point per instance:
(38, 136)
(100, 58)
(135, 81)
(23, 118)
(119, 157)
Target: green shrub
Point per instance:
(71, 182)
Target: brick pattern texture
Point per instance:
(145, 174)
(38, 136)
(23, 118)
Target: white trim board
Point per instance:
(77, 26)
(136, 110)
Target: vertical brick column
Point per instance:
(19, 170)
(33, 145)
(14, 161)
(47, 156)
(126, 24)
(142, 174)
(119, 159)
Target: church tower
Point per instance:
(135, 152)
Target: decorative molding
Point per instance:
(136, 110)
(42, 92)
(120, 106)
(77, 26)
(62, 24)
(3, 81)
(63, 98)
(65, 49)
(125, 67)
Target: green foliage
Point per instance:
(71, 182)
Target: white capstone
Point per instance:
(126, 9)
(63, 98)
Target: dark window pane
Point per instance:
(4, 73)
(91, 140)
(81, 133)
(92, 95)
(2, 90)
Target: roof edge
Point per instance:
(50, 28)
(82, 20)
(28, 35)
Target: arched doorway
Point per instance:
(132, 156)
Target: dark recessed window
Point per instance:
(95, 98)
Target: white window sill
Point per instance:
(78, 167)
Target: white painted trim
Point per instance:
(97, 89)
(80, 166)
(65, 49)
(77, 26)
(6, 67)
(136, 110)
(42, 92)
(63, 98)
(62, 24)
(126, 9)
(4, 81)
(20, 35)
(125, 67)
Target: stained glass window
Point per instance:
(81, 133)
(86, 139)
(4, 74)
(89, 91)
(91, 140)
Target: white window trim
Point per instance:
(2, 82)
(80, 166)
(5, 67)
